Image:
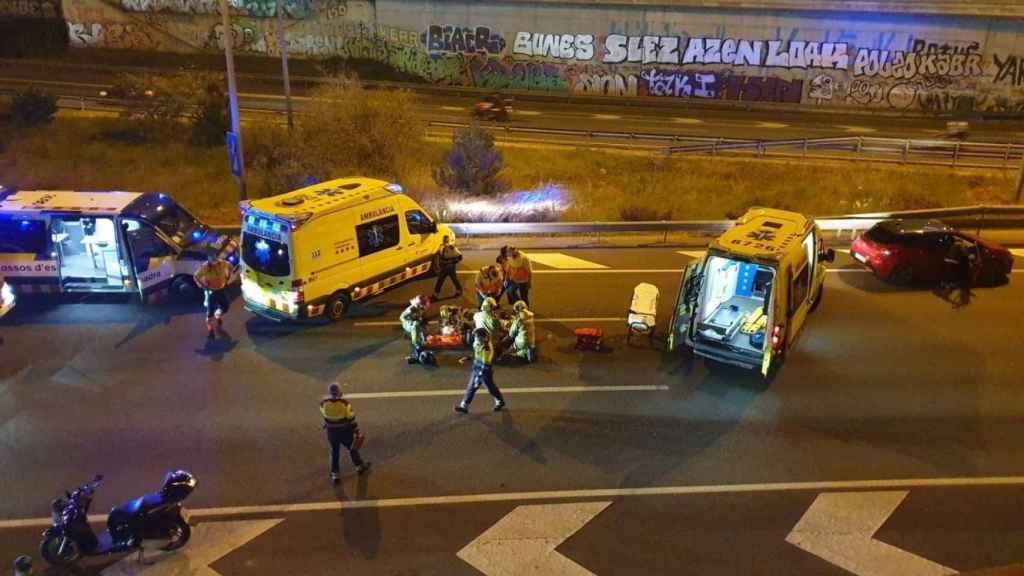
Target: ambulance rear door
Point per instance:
(681, 327)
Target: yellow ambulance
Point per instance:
(746, 300)
(313, 251)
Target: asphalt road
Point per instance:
(885, 384)
(694, 120)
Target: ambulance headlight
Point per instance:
(6, 294)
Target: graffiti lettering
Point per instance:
(680, 84)
(562, 46)
(923, 46)
(728, 51)
(822, 88)
(763, 89)
(463, 39)
(30, 8)
(1009, 70)
(251, 8)
(908, 65)
(937, 102)
(643, 49)
(606, 84)
(111, 35)
(808, 55)
(498, 74)
(83, 35)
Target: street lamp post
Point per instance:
(235, 137)
(282, 43)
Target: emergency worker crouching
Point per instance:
(489, 284)
(486, 318)
(522, 335)
(414, 322)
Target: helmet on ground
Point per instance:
(420, 300)
(178, 484)
(488, 304)
(519, 306)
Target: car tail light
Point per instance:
(778, 339)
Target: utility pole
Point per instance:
(282, 43)
(235, 136)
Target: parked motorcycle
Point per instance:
(154, 516)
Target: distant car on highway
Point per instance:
(493, 107)
(914, 251)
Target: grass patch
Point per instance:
(86, 153)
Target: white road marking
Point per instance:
(564, 261)
(528, 112)
(692, 253)
(504, 390)
(1017, 251)
(607, 116)
(598, 271)
(523, 542)
(210, 542)
(452, 108)
(838, 528)
(536, 321)
(583, 494)
(772, 125)
(847, 271)
(857, 129)
(678, 120)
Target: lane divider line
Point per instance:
(504, 390)
(584, 494)
(598, 271)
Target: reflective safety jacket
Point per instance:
(488, 284)
(213, 276)
(522, 331)
(483, 354)
(337, 412)
(520, 269)
(448, 257)
(486, 320)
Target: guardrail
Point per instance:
(903, 151)
(596, 134)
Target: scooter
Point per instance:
(155, 516)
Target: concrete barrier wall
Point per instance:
(926, 63)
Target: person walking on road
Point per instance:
(212, 277)
(520, 275)
(446, 261)
(483, 373)
(339, 420)
(488, 284)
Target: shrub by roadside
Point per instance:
(32, 107)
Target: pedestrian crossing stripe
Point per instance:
(563, 261)
(691, 253)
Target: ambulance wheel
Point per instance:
(184, 289)
(337, 306)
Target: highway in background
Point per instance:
(258, 93)
(886, 384)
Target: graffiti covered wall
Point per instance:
(913, 63)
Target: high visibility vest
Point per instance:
(483, 354)
(519, 269)
(336, 410)
(485, 320)
(522, 330)
(488, 284)
(213, 276)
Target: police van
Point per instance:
(68, 242)
(746, 300)
(313, 251)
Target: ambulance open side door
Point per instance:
(681, 328)
(153, 256)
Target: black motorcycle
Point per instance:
(155, 516)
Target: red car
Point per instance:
(918, 251)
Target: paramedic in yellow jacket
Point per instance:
(520, 275)
(488, 284)
(521, 333)
(486, 318)
(414, 320)
(212, 277)
(483, 373)
(339, 420)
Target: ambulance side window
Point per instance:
(377, 235)
(801, 286)
(418, 223)
(145, 244)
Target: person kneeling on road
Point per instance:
(486, 318)
(521, 334)
(213, 277)
(488, 283)
(483, 373)
(342, 430)
(414, 322)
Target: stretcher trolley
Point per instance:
(643, 311)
